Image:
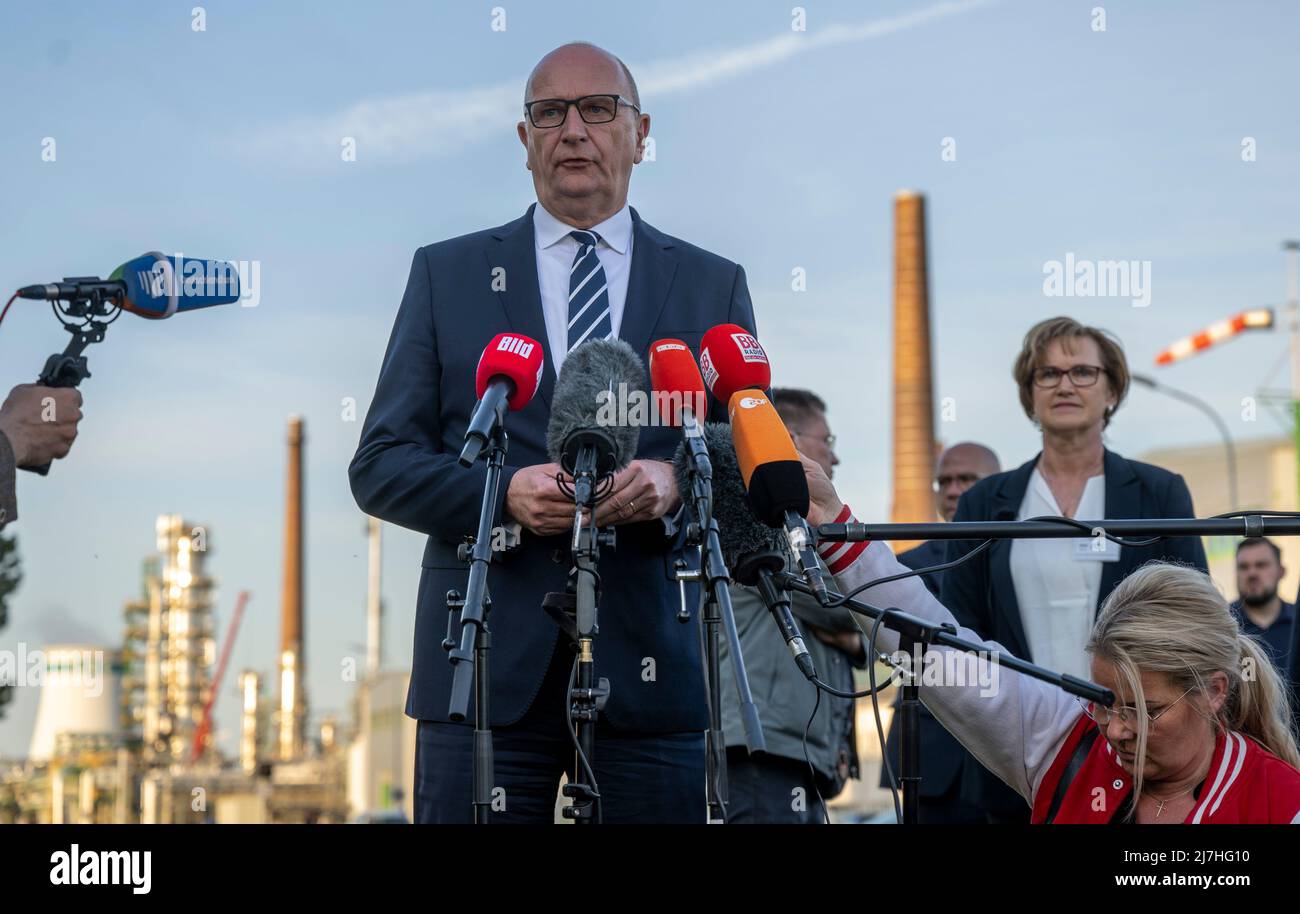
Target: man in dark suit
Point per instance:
(958, 468)
(580, 264)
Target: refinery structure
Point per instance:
(124, 733)
(139, 747)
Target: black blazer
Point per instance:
(941, 754)
(406, 472)
(982, 595)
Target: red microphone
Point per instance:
(679, 397)
(509, 373)
(732, 359)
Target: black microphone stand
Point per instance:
(1239, 523)
(914, 631)
(475, 636)
(589, 453)
(716, 611)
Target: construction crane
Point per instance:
(202, 732)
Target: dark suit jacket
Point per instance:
(405, 471)
(982, 595)
(941, 754)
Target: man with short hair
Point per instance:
(580, 265)
(958, 468)
(777, 786)
(1262, 613)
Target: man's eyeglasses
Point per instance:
(1126, 713)
(828, 440)
(1080, 375)
(593, 109)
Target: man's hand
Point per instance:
(824, 503)
(644, 490)
(40, 422)
(536, 502)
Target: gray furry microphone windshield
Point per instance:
(739, 531)
(598, 381)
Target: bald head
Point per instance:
(583, 55)
(581, 170)
(959, 468)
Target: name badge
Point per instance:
(1096, 549)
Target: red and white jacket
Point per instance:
(1246, 783)
(1035, 736)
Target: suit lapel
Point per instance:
(1123, 500)
(514, 250)
(1005, 505)
(650, 278)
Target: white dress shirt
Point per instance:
(1057, 580)
(556, 250)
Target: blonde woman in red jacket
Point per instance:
(1200, 729)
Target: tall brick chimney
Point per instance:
(913, 500)
(291, 713)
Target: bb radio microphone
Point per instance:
(581, 435)
(732, 359)
(509, 372)
(774, 478)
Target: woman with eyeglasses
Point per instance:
(1039, 598)
(1200, 729)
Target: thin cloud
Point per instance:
(444, 121)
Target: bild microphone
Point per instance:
(509, 372)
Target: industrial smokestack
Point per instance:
(913, 394)
(250, 736)
(292, 713)
(374, 600)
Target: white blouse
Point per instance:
(1057, 580)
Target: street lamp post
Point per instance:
(1230, 449)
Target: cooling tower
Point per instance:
(80, 698)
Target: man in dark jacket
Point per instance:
(777, 786)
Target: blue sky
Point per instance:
(775, 148)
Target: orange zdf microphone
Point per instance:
(731, 359)
(509, 372)
(774, 478)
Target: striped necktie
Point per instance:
(588, 295)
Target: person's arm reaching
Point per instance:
(1013, 724)
(37, 424)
